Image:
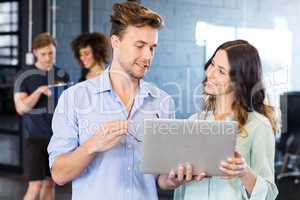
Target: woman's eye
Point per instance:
(221, 71)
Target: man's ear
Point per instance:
(34, 52)
(115, 41)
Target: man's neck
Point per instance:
(123, 84)
(40, 67)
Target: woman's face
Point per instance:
(218, 80)
(87, 57)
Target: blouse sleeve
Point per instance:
(179, 193)
(262, 163)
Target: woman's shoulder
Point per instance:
(258, 124)
(201, 115)
(258, 120)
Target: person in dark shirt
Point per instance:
(92, 51)
(35, 101)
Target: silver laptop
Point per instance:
(170, 142)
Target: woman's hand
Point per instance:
(184, 174)
(237, 167)
(234, 167)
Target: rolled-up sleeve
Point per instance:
(65, 128)
(262, 163)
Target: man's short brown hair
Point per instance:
(134, 14)
(42, 40)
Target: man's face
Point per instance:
(135, 50)
(45, 56)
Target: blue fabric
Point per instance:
(114, 174)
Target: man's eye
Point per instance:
(139, 46)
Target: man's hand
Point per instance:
(184, 174)
(44, 89)
(107, 136)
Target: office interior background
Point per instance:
(193, 29)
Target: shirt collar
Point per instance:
(146, 89)
(102, 83)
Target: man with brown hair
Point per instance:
(33, 100)
(98, 123)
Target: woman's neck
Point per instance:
(96, 70)
(223, 106)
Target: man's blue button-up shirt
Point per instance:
(113, 174)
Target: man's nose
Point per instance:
(147, 53)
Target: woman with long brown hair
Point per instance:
(234, 91)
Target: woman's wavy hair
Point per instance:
(99, 44)
(246, 79)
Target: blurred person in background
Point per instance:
(92, 52)
(34, 101)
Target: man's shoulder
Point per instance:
(25, 69)
(156, 91)
(86, 87)
(27, 75)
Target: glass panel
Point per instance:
(5, 61)
(8, 40)
(14, 18)
(8, 17)
(14, 6)
(14, 61)
(5, 28)
(4, 17)
(5, 7)
(15, 52)
(5, 51)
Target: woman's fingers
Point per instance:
(233, 166)
(189, 172)
(180, 173)
(230, 172)
(200, 176)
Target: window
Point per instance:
(270, 44)
(9, 30)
